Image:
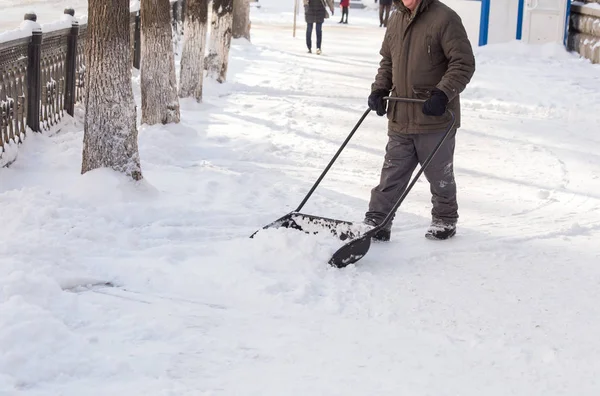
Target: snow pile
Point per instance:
(33, 334)
(26, 29)
(65, 22)
(47, 12)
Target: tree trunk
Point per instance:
(110, 132)
(220, 39)
(158, 82)
(241, 19)
(194, 45)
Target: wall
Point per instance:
(503, 21)
(584, 29)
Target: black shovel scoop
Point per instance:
(359, 235)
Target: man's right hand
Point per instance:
(376, 102)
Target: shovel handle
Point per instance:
(337, 154)
(404, 100)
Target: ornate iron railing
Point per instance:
(42, 76)
(13, 90)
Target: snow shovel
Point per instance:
(360, 242)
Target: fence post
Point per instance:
(34, 89)
(137, 48)
(71, 65)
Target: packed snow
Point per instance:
(154, 288)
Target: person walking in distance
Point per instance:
(385, 7)
(344, 4)
(425, 54)
(315, 13)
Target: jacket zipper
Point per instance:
(407, 89)
(405, 45)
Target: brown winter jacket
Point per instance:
(420, 52)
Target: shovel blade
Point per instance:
(314, 224)
(351, 252)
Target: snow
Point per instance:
(65, 22)
(134, 5)
(49, 13)
(508, 307)
(26, 29)
(593, 5)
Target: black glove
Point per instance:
(436, 104)
(376, 102)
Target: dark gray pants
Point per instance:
(403, 153)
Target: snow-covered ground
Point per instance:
(508, 307)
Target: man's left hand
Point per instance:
(436, 104)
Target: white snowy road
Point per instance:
(508, 307)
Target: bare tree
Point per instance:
(110, 131)
(241, 19)
(159, 83)
(220, 39)
(194, 45)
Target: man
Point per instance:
(426, 55)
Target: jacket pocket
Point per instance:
(421, 119)
(428, 41)
(435, 54)
(422, 91)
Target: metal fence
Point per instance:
(42, 76)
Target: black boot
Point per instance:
(382, 235)
(440, 230)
